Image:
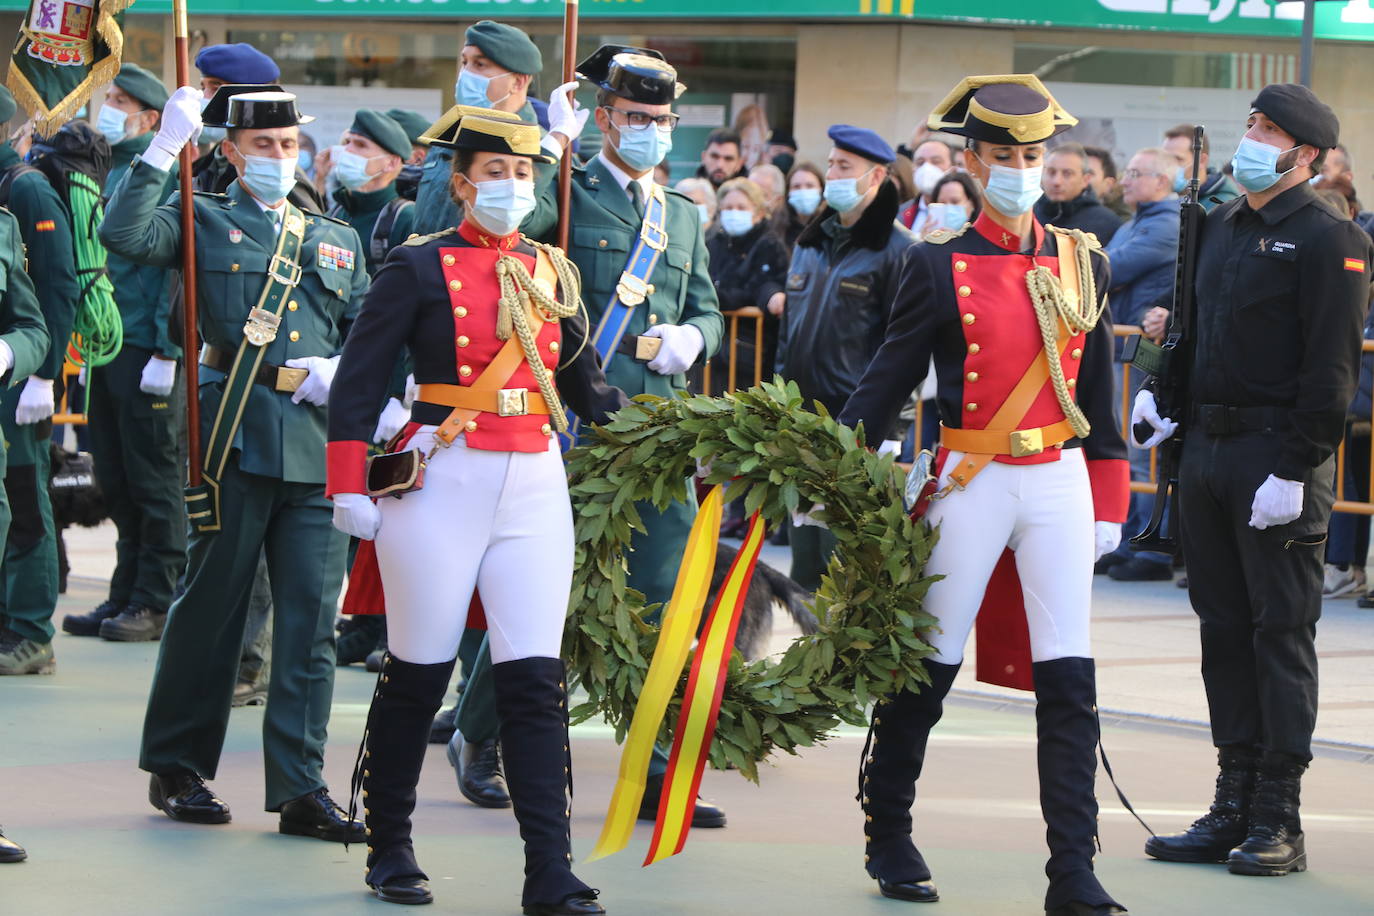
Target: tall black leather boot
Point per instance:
(532, 703)
(1066, 756)
(1274, 843)
(887, 786)
(403, 706)
(1224, 827)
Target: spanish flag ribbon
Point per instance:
(677, 630)
(700, 708)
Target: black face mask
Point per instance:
(784, 161)
(408, 182)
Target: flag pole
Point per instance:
(565, 163)
(191, 341)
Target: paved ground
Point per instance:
(70, 790)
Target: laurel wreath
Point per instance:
(780, 459)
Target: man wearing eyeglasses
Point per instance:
(670, 314)
(1143, 254)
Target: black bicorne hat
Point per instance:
(1010, 110)
(490, 135)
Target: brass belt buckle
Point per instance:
(293, 270)
(1027, 442)
(646, 348)
(289, 380)
(261, 327)
(512, 402)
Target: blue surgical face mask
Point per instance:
(502, 204)
(471, 89)
(953, 217)
(736, 222)
(1180, 181)
(306, 160)
(268, 178)
(350, 168)
(1315, 178)
(210, 134)
(804, 200)
(1255, 165)
(705, 212)
(843, 194)
(112, 123)
(643, 149)
(1012, 191)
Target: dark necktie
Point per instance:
(637, 198)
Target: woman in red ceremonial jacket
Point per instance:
(1031, 465)
(476, 307)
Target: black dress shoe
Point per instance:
(317, 815)
(1074, 908)
(185, 797)
(582, 904)
(135, 624)
(10, 851)
(411, 891)
(479, 771)
(704, 814)
(913, 891)
(1102, 566)
(444, 725)
(89, 624)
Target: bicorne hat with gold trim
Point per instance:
(637, 74)
(1011, 110)
(491, 135)
(448, 122)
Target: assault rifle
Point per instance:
(1171, 363)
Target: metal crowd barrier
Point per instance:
(66, 412)
(733, 319)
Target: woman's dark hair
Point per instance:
(782, 218)
(462, 161)
(971, 190)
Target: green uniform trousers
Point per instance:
(28, 573)
(198, 662)
(138, 464)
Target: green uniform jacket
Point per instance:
(140, 291)
(604, 226)
(234, 242)
(47, 232)
(21, 319)
(360, 210)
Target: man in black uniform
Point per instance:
(1282, 286)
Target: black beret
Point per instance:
(237, 63)
(1299, 112)
(382, 131)
(7, 105)
(506, 45)
(412, 122)
(780, 137)
(142, 85)
(861, 142)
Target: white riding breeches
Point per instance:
(497, 522)
(1044, 513)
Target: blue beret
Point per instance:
(239, 63)
(142, 85)
(861, 142)
(506, 45)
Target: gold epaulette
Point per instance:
(941, 236)
(1089, 237)
(422, 239)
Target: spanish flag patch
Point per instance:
(45, 225)
(1354, 264)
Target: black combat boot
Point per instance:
(1066, 755)
(358, 636)
(1212, 836)
(887, 786)
(406, 699)
(532, 702)
(1274, 844)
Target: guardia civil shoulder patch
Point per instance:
(1354, 264)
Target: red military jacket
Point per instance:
(437, 295)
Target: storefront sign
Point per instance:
(1352, 20)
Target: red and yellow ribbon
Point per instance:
(677, 630)
(701, 706)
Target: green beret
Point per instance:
(7, 105)
(382, 131)
(506, 45)
(142, 85)
(412, 122)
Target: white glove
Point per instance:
(412, 392)
(357, 515)
(1106, 538)
(315, 388)
(1145, 410)
(35, 401)
(566, 114)
(803, 519)
(159, 375)
(890, 447)
(682, 345)
(1277, 502)
(180, 125)
(395, 416)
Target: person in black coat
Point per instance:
(804, 188)
(1069, 201)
